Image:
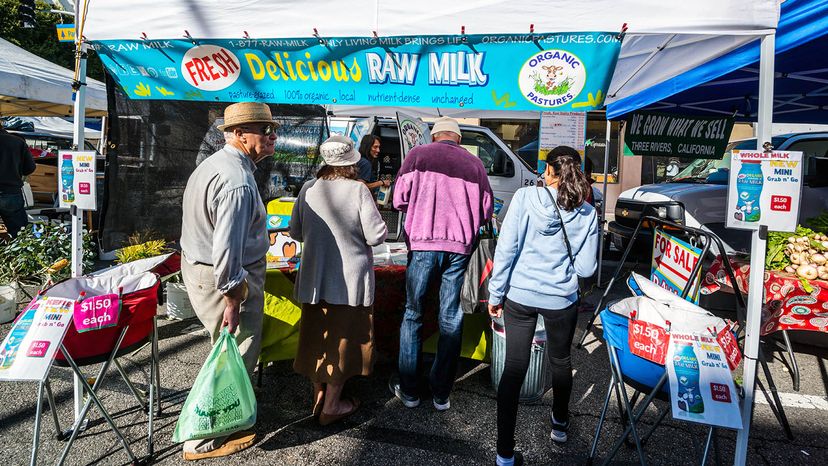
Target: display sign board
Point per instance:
(560, 129)
(413, 132)
(648, 341)
(558, 71)
(30, 346)
(65, 32)
(672, 264)
(76, 180)
(701, 385)
(669, 135)
(764, 189)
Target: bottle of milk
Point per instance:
(749, 188)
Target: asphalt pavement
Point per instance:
(384, 432)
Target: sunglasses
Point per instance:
(265, 130)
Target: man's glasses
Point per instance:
(265, 130)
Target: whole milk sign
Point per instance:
(672, 265)
(563, 72)
(765, 188)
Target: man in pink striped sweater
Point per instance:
(446, 195)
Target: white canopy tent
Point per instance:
(714, 26)
(33, 86)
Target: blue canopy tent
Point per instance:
(728, 85)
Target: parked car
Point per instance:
(697, 196)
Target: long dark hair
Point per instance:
(365, 145)
(573, 187)
(328, 172)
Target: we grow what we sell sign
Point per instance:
(668, 135)
(563, 72)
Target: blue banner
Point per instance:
(563, 72)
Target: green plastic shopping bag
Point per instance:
(221, 400)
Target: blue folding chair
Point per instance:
(643, 376)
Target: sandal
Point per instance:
(326, 419)
(317, 407)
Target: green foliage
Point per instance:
(41, 40)
(33, 254)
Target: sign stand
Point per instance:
(604, 203)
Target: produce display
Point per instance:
(803, 253)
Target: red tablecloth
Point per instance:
(788, 305)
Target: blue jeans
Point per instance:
(13, 212)
(423, 266)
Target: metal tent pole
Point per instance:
(78, 143)
(757, 254)
(604, 203)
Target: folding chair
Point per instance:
(643, 376)
(708, 241)
(135, 329)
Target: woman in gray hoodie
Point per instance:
(548, 238)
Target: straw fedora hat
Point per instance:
(246, 112)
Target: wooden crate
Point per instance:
(44, 183)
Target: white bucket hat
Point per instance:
(338, 151)
(446, 124)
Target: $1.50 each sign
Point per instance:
(96, 312)
(648, 341)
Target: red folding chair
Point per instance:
(136, 328)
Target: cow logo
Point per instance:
(553, 78)
(210, 67)
(412, 134)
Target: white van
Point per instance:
(507, 172)
(697, 196)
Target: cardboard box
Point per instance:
(44, 183)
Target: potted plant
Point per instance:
(38, 256)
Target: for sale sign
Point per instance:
(673, 262)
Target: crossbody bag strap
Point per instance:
(563, 229)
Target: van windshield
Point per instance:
(715, 171)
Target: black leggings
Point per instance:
(520, 328)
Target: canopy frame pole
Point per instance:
(78, 143)
(611, 93)
(604, 202)
(757, 255)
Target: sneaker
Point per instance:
(517, 459)
(440, 404)
(408, 401)
(559, 431)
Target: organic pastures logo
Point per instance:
(553, 78)
(412, 134)
(210, 67)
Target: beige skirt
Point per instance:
(336, 342)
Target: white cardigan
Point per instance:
(338, 223)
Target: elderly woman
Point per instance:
(336, 219)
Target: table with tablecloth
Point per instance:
(789, 304)
(280, 332)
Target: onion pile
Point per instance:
(808, 256)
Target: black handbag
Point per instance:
(474, 296)
(566, 239)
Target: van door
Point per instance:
(506, 173)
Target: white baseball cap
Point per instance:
(446, 124)
(338, 151)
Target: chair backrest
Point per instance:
(645, 373)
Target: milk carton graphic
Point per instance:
(687, 372)
(67, 177)
(749, 191)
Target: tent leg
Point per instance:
(603, 219)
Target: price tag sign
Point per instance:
(96, 312)
(720, 392)
(648, 341)
(731, 350)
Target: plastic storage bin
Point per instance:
(534, 384)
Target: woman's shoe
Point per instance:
(326, 419)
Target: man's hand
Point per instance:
(495, 310)
(231, 314)
(232, 306)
